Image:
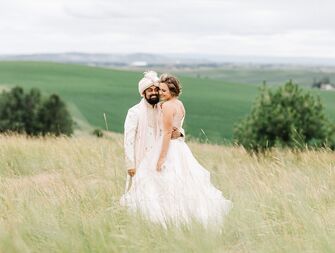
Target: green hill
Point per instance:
(213, 106)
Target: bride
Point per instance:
(170, 186)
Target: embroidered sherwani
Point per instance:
(131, 133)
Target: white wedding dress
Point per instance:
(179, 194)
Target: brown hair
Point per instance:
(172, 83)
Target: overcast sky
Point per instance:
(226, 27)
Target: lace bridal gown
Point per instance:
(180, 193)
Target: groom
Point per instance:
(141, 124)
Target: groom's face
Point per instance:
(151, 95)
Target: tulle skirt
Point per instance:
(179, 194)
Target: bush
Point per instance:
(287, 117)
(28, 113)
(98, 132)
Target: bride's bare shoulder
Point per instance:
(169, 107)
(167, 104)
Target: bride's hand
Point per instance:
(159, 165)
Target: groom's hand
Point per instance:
(132, 172)
(175, 133)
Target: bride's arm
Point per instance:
(167, 131)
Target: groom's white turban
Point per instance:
(150, 78)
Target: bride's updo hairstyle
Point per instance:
(172, 83)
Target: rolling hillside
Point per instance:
(213, 106)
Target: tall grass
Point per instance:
(61, 195)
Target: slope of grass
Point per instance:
(61, 195)
(212, 106)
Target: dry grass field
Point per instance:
(61, 195)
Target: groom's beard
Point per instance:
(153, 99)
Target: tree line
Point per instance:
(32, 114)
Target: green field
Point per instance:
(212, 105)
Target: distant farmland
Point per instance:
(256, 75)
(213, 106)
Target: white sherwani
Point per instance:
(131, 129)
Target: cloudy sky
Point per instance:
(299, 28)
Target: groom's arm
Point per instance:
(130, 129)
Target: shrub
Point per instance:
(287, 117)
(98, 132)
